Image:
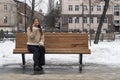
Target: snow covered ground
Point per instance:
(105, 52)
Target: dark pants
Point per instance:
(38, 54)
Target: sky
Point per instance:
(43, 6)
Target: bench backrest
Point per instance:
(58, 41)
(104, 36)
(93, 37)
(66, 40)
(21, 40)
(109, 36)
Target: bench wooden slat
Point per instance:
(73, 40)
(52, 51)
(104, 36)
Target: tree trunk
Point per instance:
(101, 22)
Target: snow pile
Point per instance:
(104, 53)
(6, 55)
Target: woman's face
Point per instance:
(36, 22)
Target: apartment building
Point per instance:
(15, 14)
(8, 13)
(23, 13)
(116, 13)
(75, 15)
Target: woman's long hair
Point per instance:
(39, 26)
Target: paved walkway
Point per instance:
(58, 72)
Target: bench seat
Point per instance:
(55, 51)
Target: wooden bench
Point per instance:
(108, 36)
(57, 43)
(104, 36)
(93, 36)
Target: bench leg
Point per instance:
(80, 62)
(23, 59)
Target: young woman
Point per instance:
(35, 44)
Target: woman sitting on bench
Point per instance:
(35, 44)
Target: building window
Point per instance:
(91, 8)
(5, 19)
(77, 20)
(98, 8)
(76, 7)
(105, 20)
(98, 19)
(116, 21)
(70, 7)
(70, 20)
(85, 20)
(117, 7)
(5, 7)
(91, 20)
(116, 13)
(84, 7)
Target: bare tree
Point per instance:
(106, 6)
(51, 5)
(51, 16)
(34, 3)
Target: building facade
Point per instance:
(23, 13)
(16, 15)
(117, 15)
(76, 15)
(8, 13)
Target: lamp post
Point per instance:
(33, 7)
(90, 20)
(25, 17)
(17, 19)
(82, 16)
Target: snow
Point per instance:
(103, 53)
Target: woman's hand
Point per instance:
(41, 43)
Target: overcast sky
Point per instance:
(43, 5)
